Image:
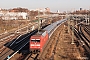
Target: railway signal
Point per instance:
(87, 20)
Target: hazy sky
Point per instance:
(54, 5)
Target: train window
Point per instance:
(32, 40)
(37, 40)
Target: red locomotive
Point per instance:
(38, 41)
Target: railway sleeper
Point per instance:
(34, 51)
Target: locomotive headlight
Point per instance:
(32, 45)
(35, 44)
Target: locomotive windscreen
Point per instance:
(35, 40)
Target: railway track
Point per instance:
(11, 38)
(3, 42)
(87, 29)
(16, 47)
(83, 41)
(54, 50)
(31, 56)
(7, 35)
(6, 38)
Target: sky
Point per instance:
(54, 5)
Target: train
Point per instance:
(39, 41)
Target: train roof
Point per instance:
(53, 25)
(41, 32)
